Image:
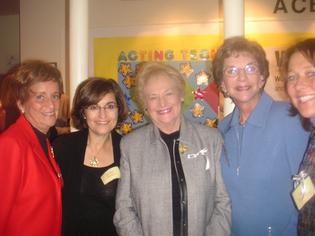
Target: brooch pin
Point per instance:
(52, 152)
(182, 148)
(203, 153)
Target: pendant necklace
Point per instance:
(94, 162)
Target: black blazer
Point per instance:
(69, 151)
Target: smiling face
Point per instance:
(245, 87)
(301, 84)
(41, 106)
(101, 118)
(163, 102)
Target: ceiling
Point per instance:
(9, 7)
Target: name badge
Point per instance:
(303, 192)
(110, 175)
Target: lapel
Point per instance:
(71, 157)
(79, 153)
(28, 134)
(81, 145)
(116, 147)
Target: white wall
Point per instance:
(43, 31)
(43, 23)
(125, 17)
(117, 13)
(9, 42)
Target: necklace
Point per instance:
(94, 161)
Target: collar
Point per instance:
(26, 129)
(32, 135)
(184, 135)
(258, 116)
(39, 134)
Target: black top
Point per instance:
(42, 140)
(80, 201)
(306, 223)
(179, 193)
(97, 202)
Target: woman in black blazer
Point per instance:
(89, 158)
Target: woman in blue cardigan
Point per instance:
(263, 144)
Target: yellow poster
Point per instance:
(108, 52)
(118, 58)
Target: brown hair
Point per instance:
(153, 69)
(307, 49)
(232, 46)
(90, 92)
(34, 71)
(8, 89)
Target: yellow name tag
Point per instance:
(110, 175)
(303, 192)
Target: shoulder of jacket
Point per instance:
(138, 134)
(280, 106)
(9, 137)
(280, 113)
(203, 129)
(224, 124)
(69, 138)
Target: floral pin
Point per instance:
(182, 148)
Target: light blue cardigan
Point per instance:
(268, 150)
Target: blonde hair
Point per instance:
(149, 70)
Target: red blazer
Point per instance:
(30, 187)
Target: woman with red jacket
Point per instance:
(30, 179)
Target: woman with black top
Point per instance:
(89, 158)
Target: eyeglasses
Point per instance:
(108, 107)
(233, 71)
